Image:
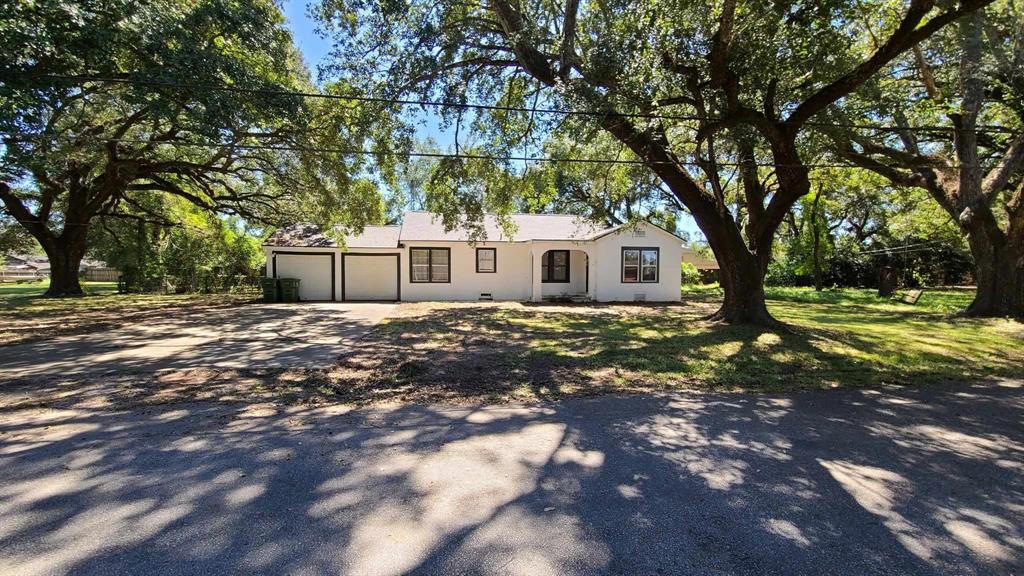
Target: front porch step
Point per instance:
(574, 298)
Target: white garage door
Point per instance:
(371, 277)
(313, 270)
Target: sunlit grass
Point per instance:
(13, 294)
(829, 339)
(946, 300)
(26, 315)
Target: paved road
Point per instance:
(924, 481)
(307, 334)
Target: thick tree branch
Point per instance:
(568, 50)
(999, 176)
(908, 33)
(21, 213)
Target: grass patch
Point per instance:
(25, 315)
(12, 294)
(943, 300)
(456, 352)
(839, 338)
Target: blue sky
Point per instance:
(314, 49)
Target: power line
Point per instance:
(490, 107)
(444, 155)
(919, 246)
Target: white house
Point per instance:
(548, 256)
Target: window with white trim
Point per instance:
(640, 265)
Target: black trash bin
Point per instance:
(271, 293)
(289, 289)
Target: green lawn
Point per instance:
(453, 352)
(26, 316)
(945, 300)
(831, 339)
(18, 294)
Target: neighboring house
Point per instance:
(39, 264)
(549, 256)
(30, 266)
(707, 267)
(23, 268)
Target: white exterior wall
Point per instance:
(608, 260)
(510, 282)
(515, 278)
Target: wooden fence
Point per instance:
(19, 275)
(101, 274)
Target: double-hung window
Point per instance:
(486, 260)
(554, 266)
(639, 265)
(430, 265)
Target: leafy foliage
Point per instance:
(205, 253)
(967, 81)
(106, 103)
(701, 96)
(690, 274)
(864, 223)
(14, 239)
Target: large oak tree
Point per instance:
(967, 82)
(684, 85)
(106, 102)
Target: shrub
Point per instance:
(690, 274)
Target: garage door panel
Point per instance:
(314, 271)
(371, 277)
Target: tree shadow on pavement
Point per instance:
(890, 480)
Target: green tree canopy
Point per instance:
(966, 82)
(694, 92)
(103, 102)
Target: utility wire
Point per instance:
(490, 107)
(460, 155)
(901, 249)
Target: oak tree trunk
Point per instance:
(999, 273)
(742, 279)
(65, 253)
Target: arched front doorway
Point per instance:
(565, 274)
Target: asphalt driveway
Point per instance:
(893, 481)
(251, 336)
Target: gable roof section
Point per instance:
(623, 227)
(303, 235)
(309, 236)
(427, 226)
(375, 237)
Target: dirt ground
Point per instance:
(506, 352)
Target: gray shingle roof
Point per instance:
(374, 237)
(427, 227)
(309, 236)
(303, 235)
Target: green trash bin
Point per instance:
(289, 289)
(270, 289)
